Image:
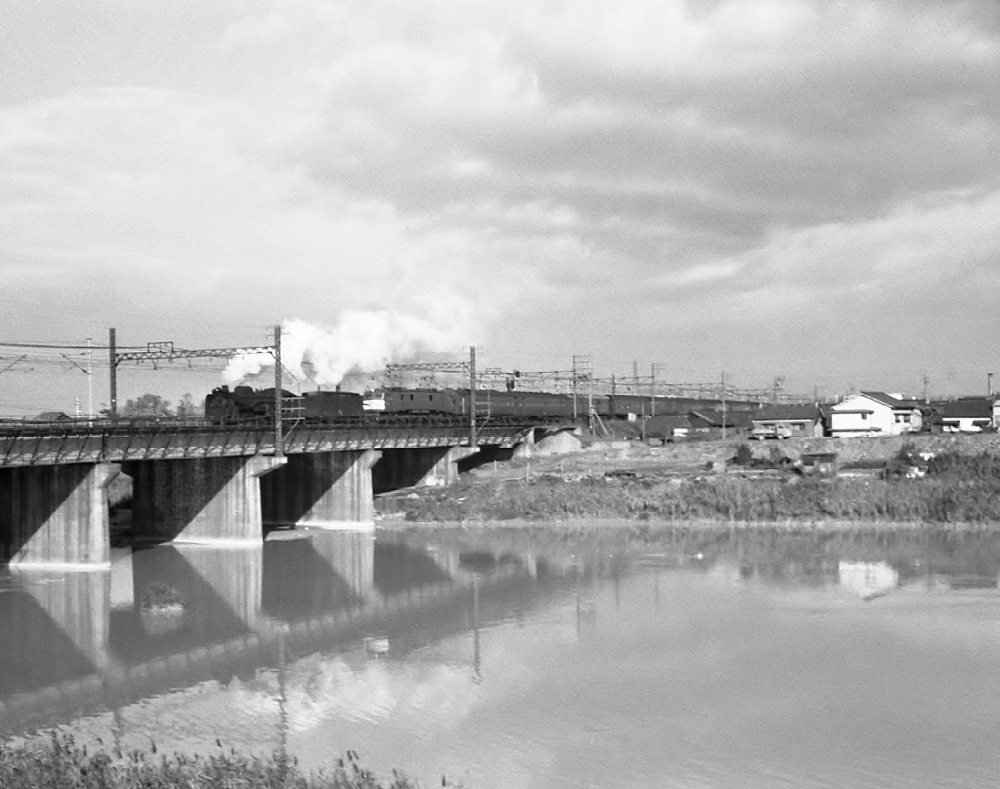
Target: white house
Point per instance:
(874, 414)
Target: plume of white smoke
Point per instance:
(361, 341)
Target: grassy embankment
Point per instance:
(957, 488)
(59, 762)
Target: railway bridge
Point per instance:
(201, 483)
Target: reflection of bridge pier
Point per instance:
(311, 573)
(175, 615)
(53, 620)
(187, 594)
(55, 648)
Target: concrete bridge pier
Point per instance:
(56, 516)
(419, 466)
(214, 500)
(327, 490)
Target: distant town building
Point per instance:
(966, 415)
(708, 422)
(53, 416)
(875, 414)
(668, 428)
(788, 421)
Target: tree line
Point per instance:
(154, 405)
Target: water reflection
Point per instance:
(519, 653)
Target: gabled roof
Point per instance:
(967, 408)
(711, 418)
(788, 413)
(668, 422)
(881, 398)
(52, 416)
(889, 400)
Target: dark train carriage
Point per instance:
(422, 401)
(331, 406)
(626, 406)
(491, 403)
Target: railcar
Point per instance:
(492, 403)
(441, 402)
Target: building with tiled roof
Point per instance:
(965, 415)
(786, 421)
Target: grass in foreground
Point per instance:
(57, 761)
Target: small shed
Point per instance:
(786, 421)
(53, 416)
(667, 428)
(711, 422)
(820, 464)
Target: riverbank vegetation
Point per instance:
(946, 488)
(58, 761)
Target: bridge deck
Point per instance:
(27, 444)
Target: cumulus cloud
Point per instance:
(550, 167)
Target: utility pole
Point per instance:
(113, 358)
(989, 385)
(279, 441)
(473, 438)
(582, 370)
(590, 406)
(574, 390)
(723, 390)
(652, 388)
(90, 378)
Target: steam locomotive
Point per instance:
(244, 405)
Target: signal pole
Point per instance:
(473, 438)
(723, 406)
(279, 441)
(113, 358)
(652, 388)
(90, 378)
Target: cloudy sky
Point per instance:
(757, 187)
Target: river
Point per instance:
(533, 657)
